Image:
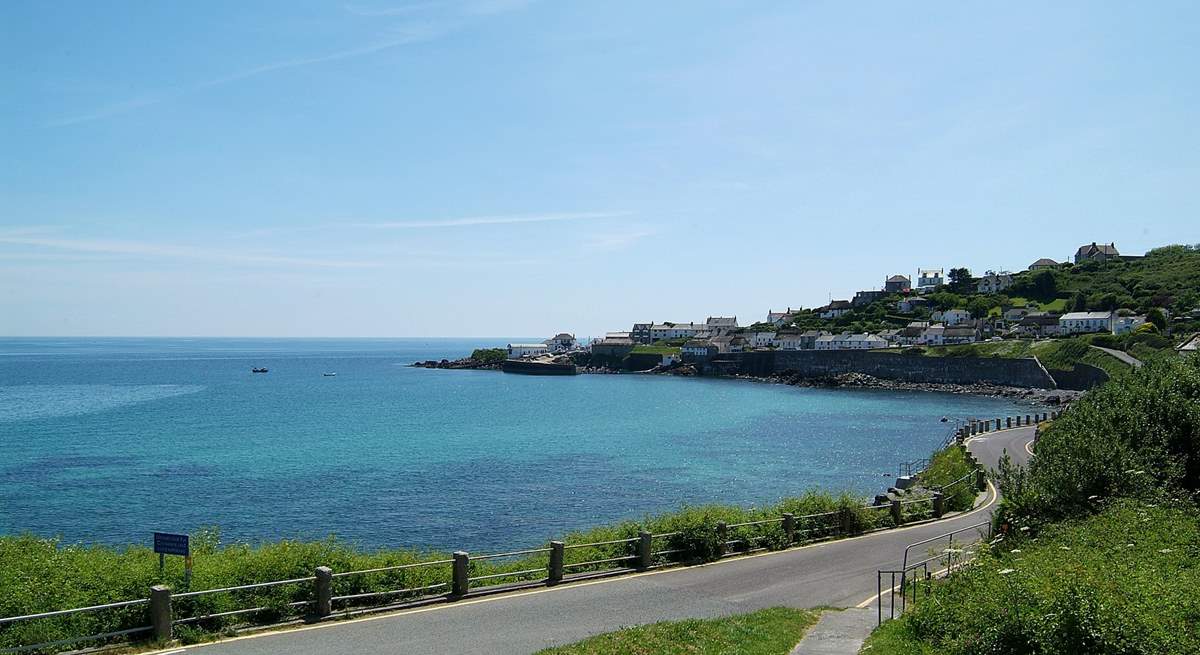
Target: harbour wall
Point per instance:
(1027, 373)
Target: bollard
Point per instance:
(644, 550)
(939, 504)
(1018, 420)
(1008, 421)
(980, 480)
(789, 527)
(897, 512)
(557, 551)
(1026, 419)
(160, 612)
(997, 424)
(722, 537)
(462, 570)
(844, 520)
(324, 591)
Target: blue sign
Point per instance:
(166, 543)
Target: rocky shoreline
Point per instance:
(862, 381)
(464, 363)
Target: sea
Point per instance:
(107, 440)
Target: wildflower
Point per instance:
(1064, 548)
(1015, 550)
(1165, 550)
(1024, 528)
(1007, 571)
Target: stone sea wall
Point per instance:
(888, 366)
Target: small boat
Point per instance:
(329, 375)
(258, 370)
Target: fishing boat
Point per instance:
(258, 370)
(329, 375)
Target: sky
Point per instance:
(511, 167)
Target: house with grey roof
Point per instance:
(1096, 252)
(1042, 264)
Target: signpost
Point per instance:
(166, 543)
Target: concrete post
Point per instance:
(557, 551)
(789, 527)
(462, 570)
(160, 612)
(980, 480)
(997, 424)
(722, 537)
(1008, 421)
(897, 512)
(1026, 419)
(644, 550)
(324, 591)
(939, 504)
(844, 518)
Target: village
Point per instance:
(941, 309)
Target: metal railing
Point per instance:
(950, 559)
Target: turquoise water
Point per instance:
(107, 440)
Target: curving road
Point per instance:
(838, 573)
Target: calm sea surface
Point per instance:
(107, 440)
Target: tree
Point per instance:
(1080, 303)
(960, 280)
(1044, 285)
(978, 307)
(1157, 318)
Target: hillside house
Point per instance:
(729, 343)
(761, 339)
(959, 334)
(1126, 324)
(951, 316)
(1043, 264)
(661, 331)
(993, 282)
(1038, 324)
(897, 284)
(849, 341)
(911, 304)
(698, 349)
(1085, 322)
(929, 278)
(910, 335)
(863, 298)
(891, 336)
(641, 333)
(779, 318)
(834, 309)
(1096, 253)
(721, 324)
(519, 350)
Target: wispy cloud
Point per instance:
(467, 221)
(410, 34)
(616, 240)
(171, 251)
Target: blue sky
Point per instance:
(507, 167)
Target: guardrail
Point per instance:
(635, 553)
(950, 559)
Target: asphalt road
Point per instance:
(838, 573)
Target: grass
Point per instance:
(645, 349)
(39, 575)
(1120, 581)
(946, 466)
(772, 631)
(1056, 354)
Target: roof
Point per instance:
(1045, 261)
(958, 331)
(929, 272)
(1093, 248)
(676, 326)
(898, 278)
(563, 335)
(838, 304)
(613, 341)
(526, 345)
(1191, 344)
(1039, 319)
(722, 320)
(1086, 316)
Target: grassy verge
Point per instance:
(765, 632)
(1120, 581)
(644, 349)
(1057, 354)
(39, 575)
(949, 465)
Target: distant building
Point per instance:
(959, 334)
(849, 341)
(834, 309)
(641, 333)
(518, 350)
(952, 316)
(911, 304)
(1085, 322)
(561, 343)
(1096, 252)
(721, 324)
(932, 335)
(729, 343)
(911, 334)
(898, 284)
(1189, 345)
(1015, 314)
(994, 282)
(1038, 325)
(661, 331)
(1126, 324)
(779, 318)
(1043, 264)
(929, 278)
(762, 339)
(866, 297)
(891, 336)
(698, 349)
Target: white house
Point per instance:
(911, 334)
(518, 350)
(1083, 322)
(788, 340)
(835, 309)
(994, 282)
(1125, 324)
(932, 335)
(848, 341)
(779, 318)
(911, 304)
(721, 324)
(561, 343)
(660, 331)
(928, 278)
(762, 339)
(959, 334)
(952, 316)
(729, 343)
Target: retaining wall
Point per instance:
(888, 366)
